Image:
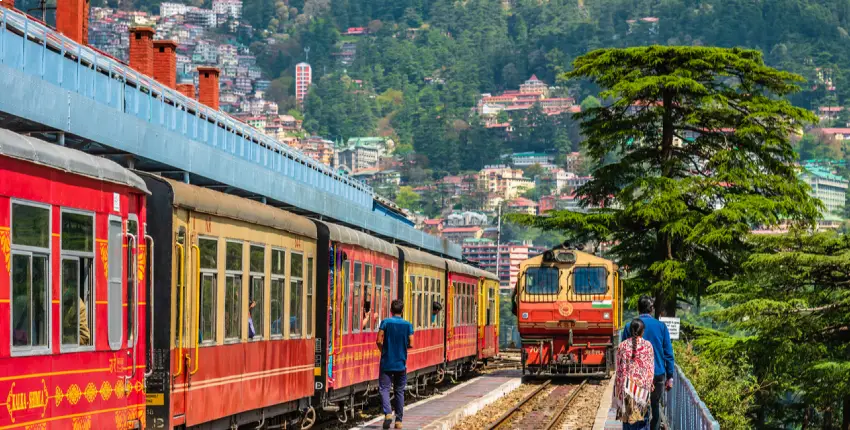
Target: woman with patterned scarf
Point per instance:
(635, 367)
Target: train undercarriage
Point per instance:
(552, 356)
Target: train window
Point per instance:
(417, 282)
(461, 303)
(541, 280)
(491, 305)
(408, 307)
(418, 302)
(296, 291)
(233, 291)
(131, 276)
(310, 321)
(357, 309)
(114, 274)
(278, 285)
(378, 301)
(77, 279)
(440, 317)
(368, 295)
(429, 304)
(30, 247)
(425, 308)
(346, 291)
(465, 305)
(468, 307)
(454, 295)
(388, 280)
(256, 301)
(590, 280)
(209, 286)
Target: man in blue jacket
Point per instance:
(395, 337)
(657, 334)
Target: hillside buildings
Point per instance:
(827, 187)
(484, 252)
(363, 153)
(504, 181)
(303, 80)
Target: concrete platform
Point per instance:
(605, 415)
(443, 411)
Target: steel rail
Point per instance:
(557, 417)
(504, 417)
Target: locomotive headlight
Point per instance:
(606, 316)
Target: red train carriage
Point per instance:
(72, 349)
(217, 254)
(361, 273)
(424, 280)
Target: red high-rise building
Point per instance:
(303, 79)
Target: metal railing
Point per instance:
(685, 410)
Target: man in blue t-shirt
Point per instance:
(657, 334)
(395, 337)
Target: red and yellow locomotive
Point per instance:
(569, 307)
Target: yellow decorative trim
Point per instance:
(104, 258)
(66, 372)
(119, 389)
(135, 408)
(73, 394)
(5, 247)
(142, 261)
(91, 392)
(105, 390)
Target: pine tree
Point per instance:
(792, 302)
(690, 153)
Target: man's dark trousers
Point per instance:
(659, 383)
(397, 381)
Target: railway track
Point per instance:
(540, 409)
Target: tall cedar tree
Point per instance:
(792, 301)
(690, 153)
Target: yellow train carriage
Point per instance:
(240, 300)
(423, 277)
(488, 316)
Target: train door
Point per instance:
(482, 318)
(342, 316)
(181, 292)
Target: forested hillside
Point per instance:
(425, 62)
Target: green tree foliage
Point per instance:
(788, 316)
(407, 198)
(590, 102)
(677, 213)
(730, 402)
(335, 108)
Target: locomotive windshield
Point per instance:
(590, 280)
(541, 280)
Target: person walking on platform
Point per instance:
(395, 337)
(657, 334)
(633, 384)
